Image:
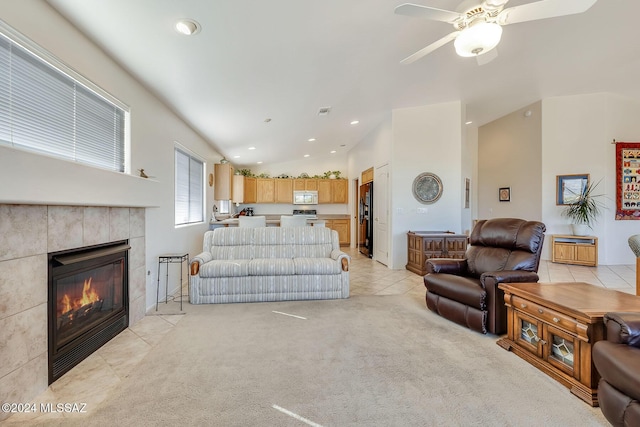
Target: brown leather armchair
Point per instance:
(501, 250)
(617, 360)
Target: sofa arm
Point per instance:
(623, 328)
(447, 266)
(492, 278)
(197, 261)
(342, 257)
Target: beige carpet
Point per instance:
(366, 361)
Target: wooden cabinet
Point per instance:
(339, 191)
(250, 190)
(422, 245)
(223, 177)
(342, 226)
(553, 326)
(367, 176)
(324, 191)
(333, 191)
(301, 184)
(266, 190)
(283, 190)
(580, 250)
(237, 189)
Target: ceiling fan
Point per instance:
(478, 24)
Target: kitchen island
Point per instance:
(338, 222)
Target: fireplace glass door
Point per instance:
(85, 299)
(88, 302)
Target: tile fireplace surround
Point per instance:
(27, 234)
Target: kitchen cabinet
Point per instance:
(250, 190)
(342, 226)
(339, 191)
(266, 190)
(324, 191)
(367, 176)
(283, 190)
(301, 184)
(223, 181)
(237, 189)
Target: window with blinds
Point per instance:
(44, 108)
(189, 189)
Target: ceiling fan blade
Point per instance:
(410, 9)
(542, 10)
(428, 49)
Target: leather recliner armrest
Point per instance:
(447, 266)
(507, 276)
(623, 328)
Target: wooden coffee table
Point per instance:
(553, 326)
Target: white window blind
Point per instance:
(189, 189)
(44, 109)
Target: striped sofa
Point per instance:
(269, 264)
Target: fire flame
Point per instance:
(89, 295)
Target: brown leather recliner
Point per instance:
(617, 360)
(501, 250)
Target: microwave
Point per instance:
(305, 197)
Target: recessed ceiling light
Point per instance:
(259, 163)
(355, 122)
(252, 148)
(188, 27)
(332, 151)
(468, 123)
(307, 155)
(311, 139)
(236, 157)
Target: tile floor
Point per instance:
(112, 363)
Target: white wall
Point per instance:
(29, 178)
(425, 139)
(470, 171)
(577, 133)
(510, 155)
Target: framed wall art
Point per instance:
(504, 194)
(427, 188)
(627, 181)
(467, 190)
(570, 187)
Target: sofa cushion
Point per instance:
(316, 266)
(271, 267)
(225, 268)
(465, 290)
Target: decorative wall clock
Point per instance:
(427, 188)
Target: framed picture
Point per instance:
(504, 194)
(467, 188)
(570, 187)
(627, 181)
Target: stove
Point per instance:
(308, 213)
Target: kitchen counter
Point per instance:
(274, 220)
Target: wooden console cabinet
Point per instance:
(580, 250)
(422, 245)
(553, 326)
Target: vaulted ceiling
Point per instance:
(283, 60)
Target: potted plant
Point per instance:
(584, 209)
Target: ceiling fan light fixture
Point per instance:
(478, 39)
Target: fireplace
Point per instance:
(88, 302)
